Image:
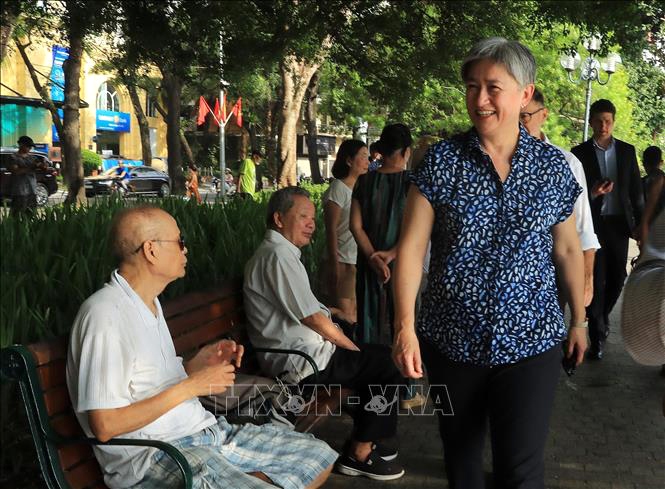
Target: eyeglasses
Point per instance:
(181, 243)
(526, 116)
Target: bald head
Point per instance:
(132, 227)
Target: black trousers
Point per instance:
(518, 400)
(609, 275)
(371, 373)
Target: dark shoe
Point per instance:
(595, 353)
(374, 467)
(386, 449)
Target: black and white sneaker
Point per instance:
(374, 467)
(386, 449)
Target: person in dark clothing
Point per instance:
(24, 182)
(617, 203)
(654, 189)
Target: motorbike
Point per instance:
(229, 186)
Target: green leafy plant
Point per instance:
(91, 161)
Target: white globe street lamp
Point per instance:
(590, 71)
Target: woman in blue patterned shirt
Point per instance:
(497, 204)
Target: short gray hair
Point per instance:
(281, 201)
(516, 57)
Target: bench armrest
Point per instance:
(167, 448)
(307, 358)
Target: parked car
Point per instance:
(142, 180)
(46, 179)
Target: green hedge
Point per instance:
(52, 263)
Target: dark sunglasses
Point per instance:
(181, 243)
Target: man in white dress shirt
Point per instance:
(533, 117)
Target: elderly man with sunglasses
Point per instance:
(125, 379)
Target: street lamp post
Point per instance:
(223, 84)
(590, 71)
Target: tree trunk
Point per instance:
(71, 134)
(186, 148)
(244, 143)
(10, 11)
(312, 131)
(296, 75)
(271, 141)
(173, 87)
(41, 89)
(144, 127)
(251, 130)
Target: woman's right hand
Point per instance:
(379, 267)
(406, 354)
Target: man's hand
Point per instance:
(222, 352)
(601, 188)
(406, 354)
(210, 380)
(576, 344)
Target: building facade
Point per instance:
(107, 119)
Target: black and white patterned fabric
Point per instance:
(492, 297)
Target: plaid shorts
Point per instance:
(222, 455)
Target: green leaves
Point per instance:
(52, 263)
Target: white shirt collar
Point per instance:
(119, 281)
(609, 146)
(276, 237)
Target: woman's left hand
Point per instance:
(387, 256)
(576, 344)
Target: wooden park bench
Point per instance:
(65, 454)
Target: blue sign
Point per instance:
(108, 120)
(54, 131)
(60, 54)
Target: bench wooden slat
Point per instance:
(52, 374)
(206, 333)
(67, 425)
(85, 475)
(193, 300)
(46, 352)
(183, 323)
(72, 455)
(57, 400)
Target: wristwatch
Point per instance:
(584, 324)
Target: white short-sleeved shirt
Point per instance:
(340, 194)
(121, 353)
(277, 297)
(582, 209)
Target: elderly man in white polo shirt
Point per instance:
(125, 379)
(533, 117)
(284, 313)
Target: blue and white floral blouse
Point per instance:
(491, 297)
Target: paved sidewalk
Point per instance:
(607, 431)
